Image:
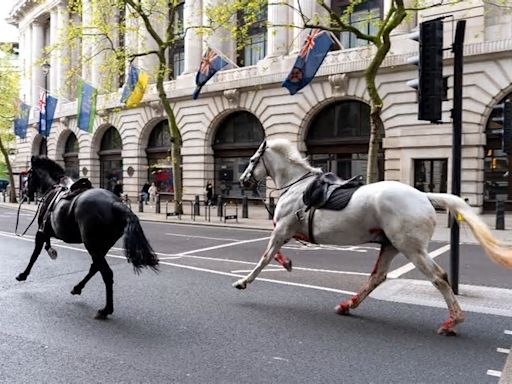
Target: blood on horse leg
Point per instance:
(284, 261)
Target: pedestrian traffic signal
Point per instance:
(430, 70)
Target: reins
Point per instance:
(35, 214)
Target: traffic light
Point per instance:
(430, 70)
(507, 127)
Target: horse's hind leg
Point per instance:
(439, 278)
(378, 275)
(108, 279)
(77, 289)
(40, 240)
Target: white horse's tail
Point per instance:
(498, 252)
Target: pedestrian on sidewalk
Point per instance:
(153, 190)
(145, 192)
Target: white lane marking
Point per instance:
(181, 225)
(225, 245)
(169, 257)
(492, 372)
(507, 332)
(265, 270)
(503, 350)
(280, 358)
(201, 237)
(410, 266)
(260, 279)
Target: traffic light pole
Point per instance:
(458, 53)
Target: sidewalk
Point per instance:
(258, 219)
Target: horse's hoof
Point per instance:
(288, 266)
(52, 253)
(76, 291)
(240, 284)
(21, 277)
(101, 315)
(446, 332)
(342, 309)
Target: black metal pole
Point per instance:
(458, 53)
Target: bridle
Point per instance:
(261, 151)
(256, 182)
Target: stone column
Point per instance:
(278, 14)
(221, 39)
(37, 54)
(192, 15)
(64, 60)
(308, 9)
(87, 41)
(54, 56)
(24, 52)
(146, 43)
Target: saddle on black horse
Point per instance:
(328, 191)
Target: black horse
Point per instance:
(94, 216)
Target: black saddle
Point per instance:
(328, 191)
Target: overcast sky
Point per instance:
(8, 33)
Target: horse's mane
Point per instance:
(290, 151)
(54, 170)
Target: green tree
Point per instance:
(102, 34)
(9, 90)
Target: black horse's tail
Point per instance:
(138, 251)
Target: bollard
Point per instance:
(500, 214)
(220, 204)
(245, 207)
(141, 203)
(197, 207)
(157, 203)
(271, 208)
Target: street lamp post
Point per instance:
(46, 70)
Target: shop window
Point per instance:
(430, 175)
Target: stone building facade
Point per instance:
(238, 107)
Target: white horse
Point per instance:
(399, 217)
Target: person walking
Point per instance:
(209, 193)
(145, 192)
(153, 190)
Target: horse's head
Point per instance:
(256, 170)
(43, 174)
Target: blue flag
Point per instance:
(21, 121)
(210, 64)
(311, 56)
(47, 106)
(86, 106)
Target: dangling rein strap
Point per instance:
(310, 225)
(18, 217)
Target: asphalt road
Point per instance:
(187, 324)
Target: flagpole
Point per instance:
(335, 38)
(223, 56)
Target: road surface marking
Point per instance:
(410, 266)
(507, 332)
(259, 279)
(201, 237)
(503, 350)
(492, 372)
(226, 245)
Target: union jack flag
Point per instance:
(316, 46)
(210, 64)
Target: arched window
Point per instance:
(111, 163)
(497, 163)
(237, 138)
(338, 137)
(70, 156)
(158, 152)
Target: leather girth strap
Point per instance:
(310, 225)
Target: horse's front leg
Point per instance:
(52, 252)
(41, 238)
(275, 243)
